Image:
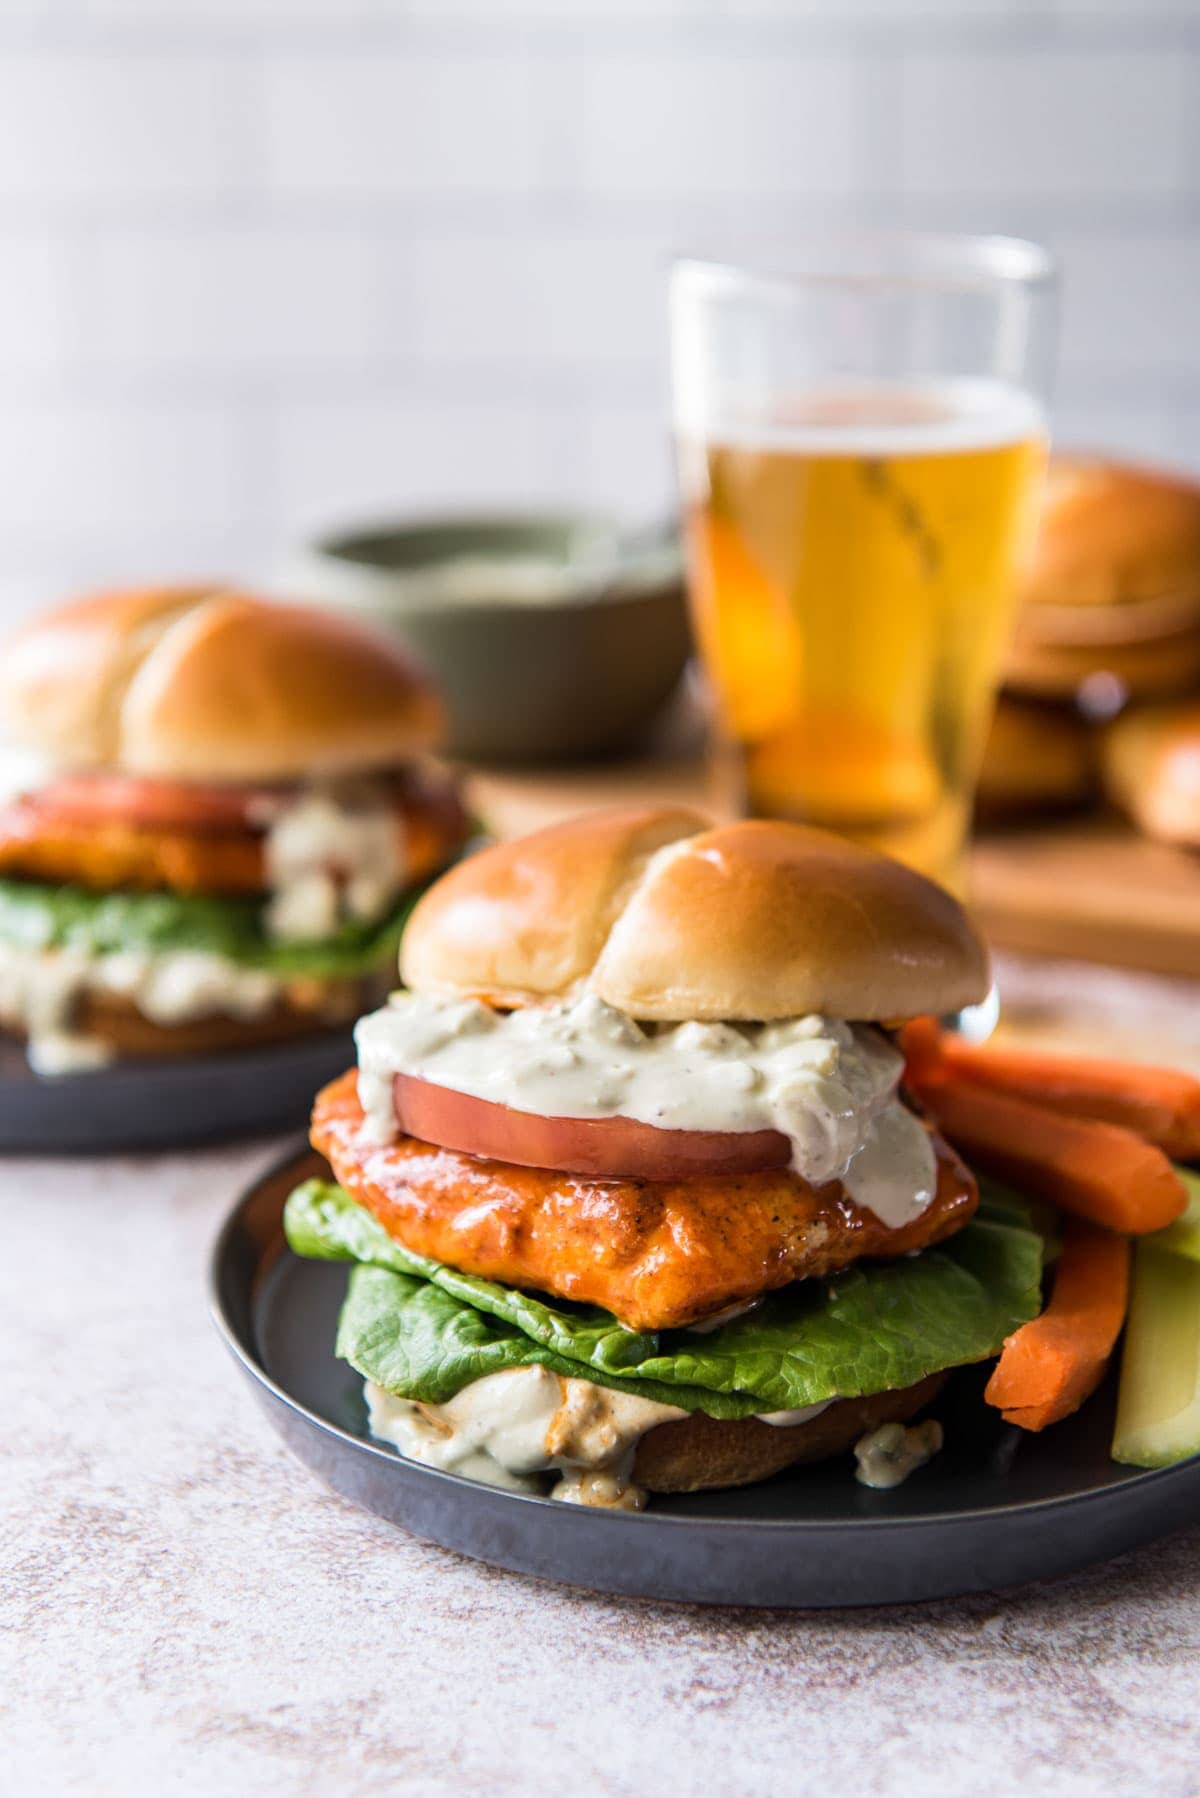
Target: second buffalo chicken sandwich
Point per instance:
(214, 815)
(636, 1198)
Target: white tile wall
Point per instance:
(625, 449)
(1058, 124)
(110, 467)
(713, 123)
(35, 302)
(265, 263)
(97, 126)
(403, 123)
(520, 298)
(348, 460)
(1131, 302)
(236, 297)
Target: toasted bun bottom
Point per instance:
(121, 1027)
(1039, 757)
(701, 1454)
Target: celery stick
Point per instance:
(1158, 1408)
(1183, 1236)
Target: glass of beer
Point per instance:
(860, 438)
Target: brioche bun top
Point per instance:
(1114, 535)
(204, 683)
(668, 918)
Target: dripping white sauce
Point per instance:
(511, 1429)
(39, 992)
(828, 1086)
(888, 1455)
(787, 1420)
(333, 855)
(22, 772)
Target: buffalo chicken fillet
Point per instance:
(635, 1197)
(214, 814)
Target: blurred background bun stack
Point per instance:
(1040, 759)
(1102, 686)
(1111, 606)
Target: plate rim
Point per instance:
(152, 1067)
(163, 1104)
(227, 1329)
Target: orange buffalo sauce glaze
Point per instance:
(657, 1255)
(43, 840)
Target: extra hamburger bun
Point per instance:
(203, 683)
(1116, 538)
(699, 1453)
(667, 919)
(1113, 587)
(1151, 768)
(1039, 758)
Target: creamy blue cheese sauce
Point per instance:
(830, 1087)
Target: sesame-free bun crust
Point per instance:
(1151, 766)
(200, 683)
(668, 919)
(701, 1454)
(1112, 535)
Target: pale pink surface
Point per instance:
(190, 1612)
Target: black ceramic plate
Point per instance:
(168, 1104)
(996, 1507)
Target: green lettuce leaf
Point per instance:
(324, 1223)
(36, 916)
(412, 1338)
(424, 1331)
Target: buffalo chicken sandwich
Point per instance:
(213, 820)
(636, 1198)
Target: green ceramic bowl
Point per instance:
(552, 637)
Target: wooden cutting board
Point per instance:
(1090, 890)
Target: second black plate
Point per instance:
(173, 1103)
(996, 1507)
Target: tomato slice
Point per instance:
(613, 1148)
(157, 804)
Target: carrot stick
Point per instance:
(1157, 1103)
(1096, 1171)
(924, 1046)
(1050, 1366)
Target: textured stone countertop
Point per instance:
(183, 1609)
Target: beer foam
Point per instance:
(867, 419)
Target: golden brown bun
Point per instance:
(197, 683)
(699, 1454)
(667, 919)
(1157, 667)
(1112, 535)
(1038, 758)
(1151, 766)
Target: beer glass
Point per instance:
(860, 438)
